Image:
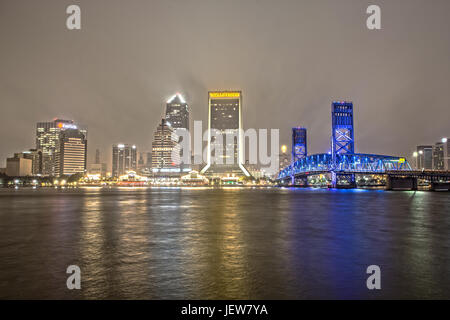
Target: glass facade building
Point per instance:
(47, 139)
(165, 149)
(177, 112)
(124, 159)
(71, 153)
(425, 157)
(225, 154)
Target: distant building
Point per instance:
(148, 162)
(98, 169)
(97, 156)
(441, 155)
(47, 138)
(19, 166)
(141, 162)
(35, 156)
(71, 152)
(225, 119)
(177, 112)
(425, 157)
(124, 159)
(165, 149)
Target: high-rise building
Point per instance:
(47, 138)
(71, 152)
(342, 128)
(124, 159)
(425, 157)
(177, 112)
(441, 155)
(225, 137)
(299, 143)
(165, 149)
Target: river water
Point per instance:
(223, 243)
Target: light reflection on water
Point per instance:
(223, 243)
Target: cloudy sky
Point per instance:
(289, 58)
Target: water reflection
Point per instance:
(223, 243)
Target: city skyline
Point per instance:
(224, 156)
(389, 88)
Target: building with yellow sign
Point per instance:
(225, 137)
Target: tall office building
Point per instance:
(124, 159)
(177, 112)
(425, 157)
(299, 143)
(225, 141)
(165, 149)
(441, 155)
(47, 138)
(71, 153)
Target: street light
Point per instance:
(444, 140)
(415, 158)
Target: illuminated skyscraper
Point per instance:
(177, 112)
(71, 152)
(124, 159)
(225, 154)
(165, 149)
(47, 138)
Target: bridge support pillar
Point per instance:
(440, 186)
(301, 181)
(343, 180)
(401, 183)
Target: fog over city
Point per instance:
(290, 59)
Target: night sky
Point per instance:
(289, 58)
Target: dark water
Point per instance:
(224, 243)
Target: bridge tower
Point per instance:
(342, 128)
(342, 138)
(299, 144)
(299, 147)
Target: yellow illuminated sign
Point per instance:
(224, 94)
(401, 160)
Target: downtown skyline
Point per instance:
(120, 96)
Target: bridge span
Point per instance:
(341, 166)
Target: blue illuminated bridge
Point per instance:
(341, 166)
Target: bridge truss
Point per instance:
(345, 163)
